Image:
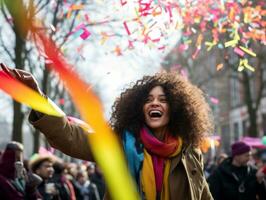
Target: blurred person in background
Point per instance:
(72, 171)
(15, 182)
(97, 178)
(62, 184)
(234, 179)
(43, 166)
(87, 189)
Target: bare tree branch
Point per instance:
(7, 50)
(41, 7)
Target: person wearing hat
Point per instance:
(235, 179)
(42, 165)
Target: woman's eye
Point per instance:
(164, 100)
(148, 100)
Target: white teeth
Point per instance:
(155, 113)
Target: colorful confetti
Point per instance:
(27, 96)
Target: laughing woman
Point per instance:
(161, 121)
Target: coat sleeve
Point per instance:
(63, 135)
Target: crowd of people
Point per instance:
(160, 121)
(240, 175)
(47, 177)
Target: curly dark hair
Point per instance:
(190, 115)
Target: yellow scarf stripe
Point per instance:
(148, 178)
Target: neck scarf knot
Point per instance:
(149, 162)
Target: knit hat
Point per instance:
(239, 148)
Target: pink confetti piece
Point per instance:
(183, 73)
(239, 51)
(126, 27)
(85, 34)
(87, 18)
(161, 48)
(123, 2)
(182, 47)
(196, 53)
(214, 100)
(82, 31)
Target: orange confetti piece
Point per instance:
(219, 66)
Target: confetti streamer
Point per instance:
(107, 151)
(104, 143)
(27, 96)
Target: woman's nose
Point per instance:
(155, 102)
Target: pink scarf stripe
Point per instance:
(160, 152)
(155, 146)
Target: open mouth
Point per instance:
(155, 114)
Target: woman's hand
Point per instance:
(22, 76)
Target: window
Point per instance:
(264, 123)
(236, 131)
(244, 127)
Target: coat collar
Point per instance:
(177, 158)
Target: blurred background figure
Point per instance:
(235, 179)
(221, 158)
(43, 166)
(62, 184)
(96, 177)
(15, 182)
(88, 190)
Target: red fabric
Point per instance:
(159, 152)
(264, 170)
(71, 189)
(7, 167)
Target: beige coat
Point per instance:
(186, 179)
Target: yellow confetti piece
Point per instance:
(231, 43)
(210, 45)
(243, 63)
(199, 40)
(248, 51)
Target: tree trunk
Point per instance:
(36, 141)
(18, 116)
(252, 111)
(17, 122)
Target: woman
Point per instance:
(161, 121)
(15, 184)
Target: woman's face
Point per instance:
(156, 109)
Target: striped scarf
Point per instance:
(150, 164)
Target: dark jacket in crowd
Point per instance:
(12, 188)
(98, 180)
(229, 182)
